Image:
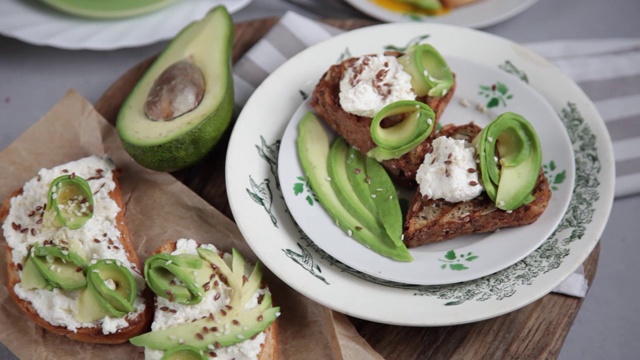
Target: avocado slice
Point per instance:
(430, 73)
(59, 267)
(71, 201)
(395, 141)
(385, 197)
(183, 352)
(89, 308)
(226, 328)
(510, 158)
(179, 278)
(31, 277)
(155, 126)
(221, 331)
(357, 175)
(113, 287)
(313, 151)
(425, 4)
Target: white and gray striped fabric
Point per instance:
(607, 70)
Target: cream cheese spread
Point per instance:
(174, 312)
(97, 239)
(373, 82)
(449, 171)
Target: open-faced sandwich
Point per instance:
(385, 110)
(361, 98)
(72, 268)
(208, 305)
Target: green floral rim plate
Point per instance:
(256, 192)
(482, 93)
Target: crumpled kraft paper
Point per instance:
(158, 208)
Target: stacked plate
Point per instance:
(458, 281)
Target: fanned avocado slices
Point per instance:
(226, 327)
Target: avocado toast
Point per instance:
(76, 275)
(208, 305)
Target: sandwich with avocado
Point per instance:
(208, 304)
(72, 268)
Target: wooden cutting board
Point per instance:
(536, 331)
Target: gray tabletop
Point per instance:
(34, 78)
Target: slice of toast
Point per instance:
(430, 220)
(269, 348)
(94, 334)
(356, 130)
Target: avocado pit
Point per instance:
(178, 90)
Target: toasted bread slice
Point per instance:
(356, 130)
(137, 323)
(456, 3)
(269, 348)
(430, 220)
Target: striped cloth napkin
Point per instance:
(607, 70)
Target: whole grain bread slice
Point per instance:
(95, 334)
(355, 129)
(430, 220)
(270, 346)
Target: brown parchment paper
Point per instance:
(158, 208)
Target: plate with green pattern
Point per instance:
(579, 169)
(482, 93)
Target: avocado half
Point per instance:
(183, 103)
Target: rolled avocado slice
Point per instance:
(313, 151)
(113, 286)
(70, 200)
(397, 140)
(430, 73)
(510, 158)
(60, 268)
(183, 104)
(179, 278)
(183, 352)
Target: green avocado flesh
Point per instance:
(222, 328)
(430, 73)
(55, 268)
(425, 4)
(314, 153)
(397, 140)
(510, 180)
(186, 133)
(112, 9)
(178, 278)
(71, 200)
(113, 287)
(183, 352)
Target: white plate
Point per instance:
(464, 258)
(480, 14)
(256, 199)
(38, 24)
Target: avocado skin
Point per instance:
(175, 151)
(189, 148)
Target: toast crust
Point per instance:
(355, 129)
(270, 346)
(430, 220)
(94, 335)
